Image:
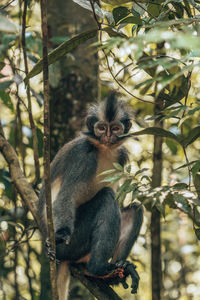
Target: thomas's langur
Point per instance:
(89, 225)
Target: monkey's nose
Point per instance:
(108, 133)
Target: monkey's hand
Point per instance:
(63, 235)
(51, 254)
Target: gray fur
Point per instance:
(84, 209)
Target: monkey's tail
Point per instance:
(63, 280)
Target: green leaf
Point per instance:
(161, 208)
(131, 20)
(186, 165)
(192, 111)
(172, 146)
(196, 180)
(146, 178)
(196, 213)
(180, 186)
(107, 172)
(61, 50)
(140, 9)
(156, 131)
(126, 187)
(120, 13)
(153, 9)
(197, 232)
(112, 32)
(141, 171)
(118, 166)
(135, 195)
(192, 136)
(8, 38)
(5, 84)
(196, 168)
(7, 25)
(6, 99)
(135, 13)
(180, 200)
(174, 113)
(169, 200)
(59, 39)
(112, 178)
(128, 169)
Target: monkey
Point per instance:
(89, 226)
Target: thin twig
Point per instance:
(50, 224)
(123, 68)
(184, 149)
(138, 4)
(117, 81)
(6, 5)
(109, 68)
(32, 123)
(99, 24)
(95, 16)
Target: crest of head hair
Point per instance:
(111, 107)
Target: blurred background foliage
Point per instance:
(146, 50)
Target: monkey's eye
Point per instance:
(116, 129)
(101, 128)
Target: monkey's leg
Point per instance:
(96, 232)
(105, 233)
(131, 221)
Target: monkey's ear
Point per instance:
(90, 122)
(129, 124)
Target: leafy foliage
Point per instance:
(151, 50)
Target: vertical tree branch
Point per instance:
(156, 270)
(20, 134)
(32, 124)
(22, 186)
(47, 146)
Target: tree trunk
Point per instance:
(73, 80)
(156, 269)
(73, 85)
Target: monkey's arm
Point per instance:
(80, 165)
(71, 172)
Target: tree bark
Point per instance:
(47, 176)
(156, 268)
(73, 85)
(73, 80)
(21, 184)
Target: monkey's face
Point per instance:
(108, 133)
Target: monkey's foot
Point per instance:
(120, 274)
(129, 269)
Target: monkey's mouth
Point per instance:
(109, 140)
